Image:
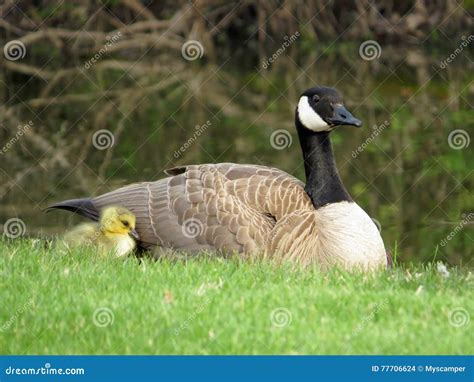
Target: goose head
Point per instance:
(321, 109)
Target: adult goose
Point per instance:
(251, 209)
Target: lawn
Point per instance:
(75, 303)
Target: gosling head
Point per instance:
(322, 109)
(118, 220)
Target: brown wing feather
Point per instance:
(232, 207)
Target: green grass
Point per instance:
(217, 306)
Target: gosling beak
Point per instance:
(134, 234)
(343, 117)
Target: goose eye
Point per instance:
(125, 223)
(315, 98)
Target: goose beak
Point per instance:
(343, 117)
(134, 234)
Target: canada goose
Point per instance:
(111, 234)
(256, 209)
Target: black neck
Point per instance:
(323, 184)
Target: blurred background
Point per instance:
(98, 94)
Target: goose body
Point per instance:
(252, 209)
(110, 235)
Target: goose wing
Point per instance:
(296, 238)
(225, 206)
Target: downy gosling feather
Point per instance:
(113, 233)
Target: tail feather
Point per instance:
(84, 207)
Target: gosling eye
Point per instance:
(125, 223)
(316, 98)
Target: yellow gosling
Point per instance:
(113, 233)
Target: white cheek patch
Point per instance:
(309, 118)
